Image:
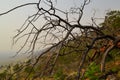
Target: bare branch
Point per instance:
(17, 8)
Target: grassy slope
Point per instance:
(67, 66)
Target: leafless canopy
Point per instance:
(57, 28)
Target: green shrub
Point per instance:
(92, 71)
(59, 75)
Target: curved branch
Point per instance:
(18, 7)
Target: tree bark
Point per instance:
(104, 57)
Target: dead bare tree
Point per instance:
(57, 31)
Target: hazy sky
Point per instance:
(12, 21)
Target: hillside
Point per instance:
(65, 68)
